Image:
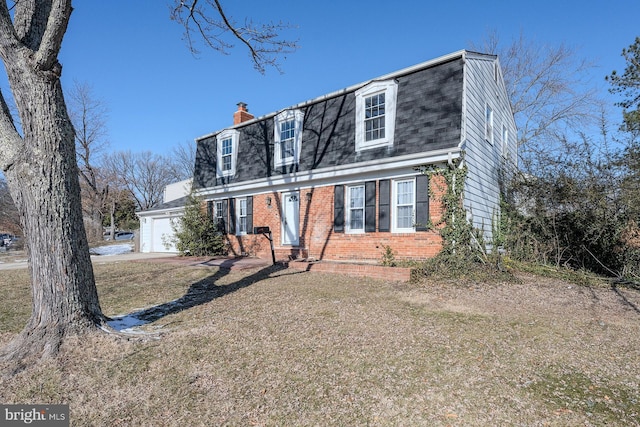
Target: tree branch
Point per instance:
(47, 54)
(262, 42)
(8, 38)
(11, 144)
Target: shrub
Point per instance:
(196, 233)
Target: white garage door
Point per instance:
(161, 228)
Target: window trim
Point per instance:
(348, 209)
(298, 117)
(222, 136)
(394, 207)
(390, 89)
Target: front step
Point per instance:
(288, 253)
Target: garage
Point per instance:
(156, 230)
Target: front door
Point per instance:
(290, 218)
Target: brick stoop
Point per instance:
(399, 274)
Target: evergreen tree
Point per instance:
(628, 85)
(196, 232)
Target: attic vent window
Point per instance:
(376, 115)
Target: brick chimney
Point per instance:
(242, 115)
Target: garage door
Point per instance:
(161, 228)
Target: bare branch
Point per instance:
(208, 20)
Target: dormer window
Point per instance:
(227, 147)
(288, 137)
(376, 115)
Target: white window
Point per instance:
(218, 213)
(355, 212)
(404, 205)
(227, 147)
(288, 137)
(488, 124)
(376, 115)
(505, 141)
(241, 220)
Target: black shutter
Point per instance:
(232, 216)
(422, 203)
(249, 214)
(370, 206)
(224, 216)
(384, 206)
(338, 209)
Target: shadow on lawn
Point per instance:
(631, 285)
(200, 292)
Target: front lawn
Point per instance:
(282, 347)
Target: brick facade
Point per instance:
(319, 241)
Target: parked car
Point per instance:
(124, 235)
(6, 239)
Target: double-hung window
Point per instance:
(404, 205)
(241, 209)
(288, 137)
(356, 210)
(227, 152)
(376, 114)
(488, 124)
(218, 214)
(374, 117)
(227, 148)
(505, 141)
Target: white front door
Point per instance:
(290, 218)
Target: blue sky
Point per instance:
(159, 95)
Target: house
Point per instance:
(335, 178)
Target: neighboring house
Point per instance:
(335, 178)
(156, 229)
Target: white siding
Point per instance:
(485, 160)
(177, 190)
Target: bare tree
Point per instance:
(39, 163)
(88, 117)
(183, 161)
(144, 175)
(549, 93)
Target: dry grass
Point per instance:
(275, 347)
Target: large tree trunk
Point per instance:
(41, 171)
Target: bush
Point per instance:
(197, 234)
